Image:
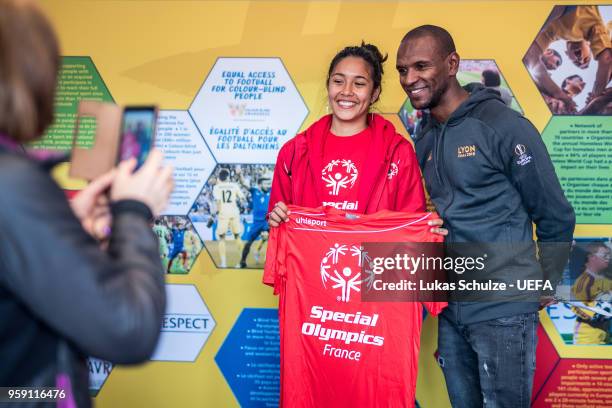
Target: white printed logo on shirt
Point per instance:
(523, 158)
(393, 170)
(341, 267)
(339, 174)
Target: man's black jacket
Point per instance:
(490, 177)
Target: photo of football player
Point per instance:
(179, 243)
(235, 231)
(228, 196)
(583, 314)
(593, 288)
(258, 204)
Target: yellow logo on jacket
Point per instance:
(466, 151)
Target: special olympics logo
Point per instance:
(342, 266)
(339, 174)
(393, 170)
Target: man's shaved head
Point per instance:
(427, 64)
(443, 39)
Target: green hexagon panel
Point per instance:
(78, 80)
(579, 149)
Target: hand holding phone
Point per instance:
(137, 137)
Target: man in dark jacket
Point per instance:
(490, 177)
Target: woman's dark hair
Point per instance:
(29, 64)
(370, 54)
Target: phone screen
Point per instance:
(137, 133)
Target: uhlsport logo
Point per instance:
(341, 268)
(311, 221)
(339, 174)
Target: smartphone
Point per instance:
(137, 136)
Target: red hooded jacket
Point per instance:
(391, 175)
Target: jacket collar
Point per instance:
(47, 159)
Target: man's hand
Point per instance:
(435, 224)
(279, 214)
(546, 301)
(560, 106)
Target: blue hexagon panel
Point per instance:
(247, 109)
(183, 147)
(250, 358)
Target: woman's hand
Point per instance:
(91, 206)
(151, 184)
(279, 214)
(436, 224)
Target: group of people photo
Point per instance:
(570, 60)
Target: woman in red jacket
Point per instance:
(352, 159)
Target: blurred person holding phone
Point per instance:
(62, 297)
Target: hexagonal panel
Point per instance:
(99, 370)
(179, 243)
(78, 80)
(484, 71)
(563, 60)
(586, 286)
(247, 109)
(186, 326)
(249, 358)
(576, 383)
(547, 359)
(579, 149)
(230, 215)
(184, 149)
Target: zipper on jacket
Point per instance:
(439, 172)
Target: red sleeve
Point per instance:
(410, 193)
(281, 183)
(275, 258)
(435, 308)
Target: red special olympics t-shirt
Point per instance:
(337, 351)
(342, 170)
